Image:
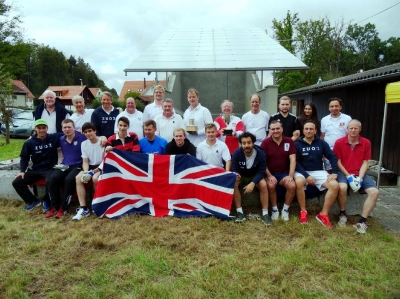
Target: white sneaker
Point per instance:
(275, 215)
(285, 215)
(342, 220)
(81, 213)
(361, 227)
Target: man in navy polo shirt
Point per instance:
(281, 157)
(103, 117)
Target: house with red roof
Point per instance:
(22, 96)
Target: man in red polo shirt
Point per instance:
(281, 157)
(353, 153)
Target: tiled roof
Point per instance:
(67, 91)
(137, 86)
(94, 91)
(21, 87)
(371, 75)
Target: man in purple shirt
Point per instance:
(65, 173)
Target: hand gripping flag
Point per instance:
(162, 185)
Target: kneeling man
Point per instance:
(353, 152)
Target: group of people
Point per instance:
(300, 152)
(265, 152)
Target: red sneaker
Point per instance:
(61, 213)
(303, 217)
(50, 213)
(324, 220)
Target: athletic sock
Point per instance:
(84, 207)
(362, 220)
(264, 212)
(239, 210)
(275, 209)
(343, 213)
(286, 207)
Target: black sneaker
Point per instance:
(239, 217)
(267, 220)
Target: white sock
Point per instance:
(275, 209)
(264, 212)
(286, 207)
(239, 210)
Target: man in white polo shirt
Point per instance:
(168, 121)
(334, 125)
(135, 118)
(155, 108)
(212, 150)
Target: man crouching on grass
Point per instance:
(249, 164)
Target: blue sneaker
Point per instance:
(32, 205)
(46, 207)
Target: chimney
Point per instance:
(144, 81)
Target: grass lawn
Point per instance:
(146, 257)
(12, 150)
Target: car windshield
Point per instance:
(24, 115)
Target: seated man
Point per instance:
(353, 152)
(281, 156)
(65, 173)
(249, 164)
(310, 171)
(212, 150)
(92, 156)
(180, 145)
(123, 140)
(152, 144)
(41, 149)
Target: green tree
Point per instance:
(284, 31)
(364, 46)
(6, 92)
(391, 50)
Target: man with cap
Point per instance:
(41, 149)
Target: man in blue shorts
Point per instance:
(281, 157)
(353, 152)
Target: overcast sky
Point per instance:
(109, 35)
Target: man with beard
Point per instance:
(290, 123)
(249, 164)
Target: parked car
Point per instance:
(21, 124)
(14, 111)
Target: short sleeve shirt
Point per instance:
(278, 154)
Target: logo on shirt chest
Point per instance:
(307, 149)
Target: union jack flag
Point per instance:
(162, 185)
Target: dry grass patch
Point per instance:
(145, 257)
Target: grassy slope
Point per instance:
(145, 257)
(12, 150)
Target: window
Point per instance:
(14, 96)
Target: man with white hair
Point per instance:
(168, 121)
(353, 153)
(82, 115)
(135, 118)
(51, 111)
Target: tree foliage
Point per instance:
(330, 50)
(6, 92)
(39, 66)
